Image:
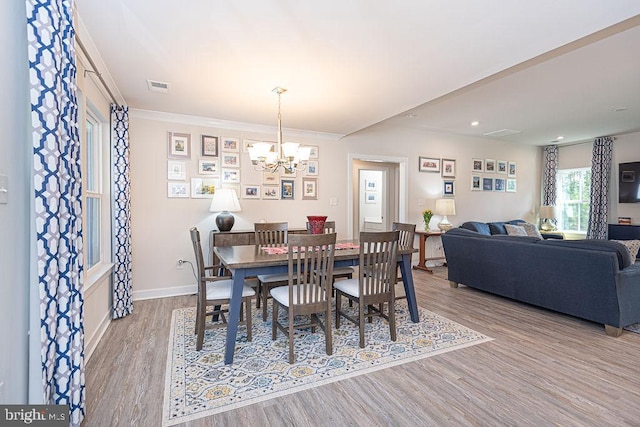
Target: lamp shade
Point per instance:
(445, 207)
(548, 212)
(225, 199)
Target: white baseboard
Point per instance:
(91, 344)
(164, 292)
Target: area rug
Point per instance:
(199, 384)
(633, 328)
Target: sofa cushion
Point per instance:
(497, 228)
(478, 227)
(515, 230)
(523, 239)
(632, 246)
(624, 259)
(531, 229)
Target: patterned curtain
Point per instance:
(550, 159)
(122, 302)
(58, 208)
(599, 205)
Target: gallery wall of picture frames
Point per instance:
(219, 165)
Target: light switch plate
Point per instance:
(333, 201)
(4, 189)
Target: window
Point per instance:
(93, 189)
(573, 190)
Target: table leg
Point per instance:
(234, 315)
(422, 264)
(409, 290)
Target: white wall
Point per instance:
(14, 216)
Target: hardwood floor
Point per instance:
(542, 368)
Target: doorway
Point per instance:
(377, 190)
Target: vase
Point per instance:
(426, 224)
(316, 224)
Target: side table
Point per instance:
(424, 235)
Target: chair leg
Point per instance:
(274, 321)
(392, 319)
(248, 304)
(258, 294)
(200, 326)
(361, 322)
(327, 330)
(291, 357)
(265, 295)
(338, 307)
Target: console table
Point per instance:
(424, 235)
(237, 238)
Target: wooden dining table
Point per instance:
(251, 260)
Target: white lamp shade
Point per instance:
(289, 149)
(445, 207)
(548, 212)
(225, 199)
(259, 150)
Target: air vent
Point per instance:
(155, 86)
(502, 132)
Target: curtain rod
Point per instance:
(95, 70)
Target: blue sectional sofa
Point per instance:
(591, 279)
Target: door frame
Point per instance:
(402, 185)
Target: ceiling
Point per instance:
(542, 68)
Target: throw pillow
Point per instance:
(531, 229)
(515, 230)
(633, 246)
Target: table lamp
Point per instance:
(225, 200)
(445, 207)
(548, 215)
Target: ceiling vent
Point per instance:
(156, 86)
(502, 132)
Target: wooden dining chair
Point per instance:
(270, 234)
(405, 239)
(308, 290)
(378, 257)
(214, 290)
(340, 272)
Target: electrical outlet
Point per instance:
(180, 264)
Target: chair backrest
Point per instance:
(197, 251)
(378, 261)
(271, 233)
(329, 227)
(311, 267)
(407, 233)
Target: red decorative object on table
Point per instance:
(316, 224)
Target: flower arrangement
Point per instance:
(426, 216)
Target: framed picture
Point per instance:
(315, 151)
(370, 185)
(309, 188)
(203, 187)
(370, 197)
(209, 146)
(490, 166)
(230, 160)
(209, 167)
(287, 187)
(179, 146)
(176, 170)
(312, 168)
(247, 143)
(448, 168)
(270, 178)
(230, 176)
(251, 191)
(499, 184)
(487, 184)
(511, 169)
(230, 144)
(511, 185)
(286, 173)
(477, 165)
(428, 164)
(501, 166)
(448, 188)
(270, 192)
(476, 183)
(178, 189)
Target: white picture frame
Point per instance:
(512, 169)
(230, 176)
(230, 144)
(203, 188)
(176, 170)
(448, 168)
(501, 166)
(499, 184)
(271, 192)
(511, 185)
(309, 188)
(490, 166)
(476, 182)
(312, 168)
(179, 146)
(477, 165)
(271, 178)
(229, 159)
(370, 197)
(209, 166)
(250, 191)
(178, 190)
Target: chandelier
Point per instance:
(289, 155)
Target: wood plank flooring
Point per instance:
(543, 368)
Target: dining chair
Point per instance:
(214, 290)
(405, 239)
(340, 272)
(308, 290)
(269, 234)
(378, 257)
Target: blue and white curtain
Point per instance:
(58, 208)
(122, 301)
(549, 171)
(600, 171)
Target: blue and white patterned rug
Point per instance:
(199, 384)
(633, 328)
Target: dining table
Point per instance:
(251, 260)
